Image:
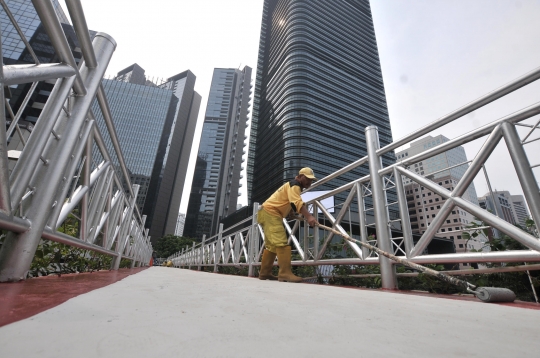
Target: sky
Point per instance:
(436, 56)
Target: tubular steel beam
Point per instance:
(69, 171)
(404, 213)
(460, 189)
(460, 112)
(14, 224)
(18, 250)
(17, 74)
(125, 228)
(81, 29)
(79, 193)
(106, 111)
(362, 218)
(15, 118)
(493, 220)
(466, 138)
(71, 241)
(28, 161)
(388, 273)
(523, 169)
(339, 172)
(5, 197)
(49, 20)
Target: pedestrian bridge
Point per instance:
(179, 312)
(182, 313)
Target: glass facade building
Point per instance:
(155, 126)
(216, 181)
(318, 86)
(141, 114)
(28, 19)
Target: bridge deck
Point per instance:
(180, 313)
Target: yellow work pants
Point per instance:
(274, 232)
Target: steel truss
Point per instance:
(247, 243)
(56, 174)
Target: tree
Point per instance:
(171, 244)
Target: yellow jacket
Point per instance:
(283, 199)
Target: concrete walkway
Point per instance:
(169, 312)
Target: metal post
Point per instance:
(124, 229)
(404, 213)
(87, 169)
(219, 248)
(5, 198)
(201, 259)
(117, 208)
(523, 170)
(306, 240)
(316, 234)
(388, 273)
(192, 256)
(253, 237)
(49, 20)
(362, 218)
(18, 249)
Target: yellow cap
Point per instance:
(308, 172)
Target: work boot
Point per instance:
(267, 262)
(284, 262)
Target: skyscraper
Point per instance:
(170, 177)
(216, 181)
(141, 115)
(155, 126)
(318, 86)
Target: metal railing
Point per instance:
(55, 175)
(244, 247)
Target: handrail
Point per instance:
(36, 199)
(312, 245)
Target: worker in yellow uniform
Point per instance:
(270, 217)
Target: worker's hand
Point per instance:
(311, 220)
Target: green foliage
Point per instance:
(55, 258)
(171, 244)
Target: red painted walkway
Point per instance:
(26, 298)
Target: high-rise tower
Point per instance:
(318, 86)
(171, 175)
(216, 181)
(155, 126)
